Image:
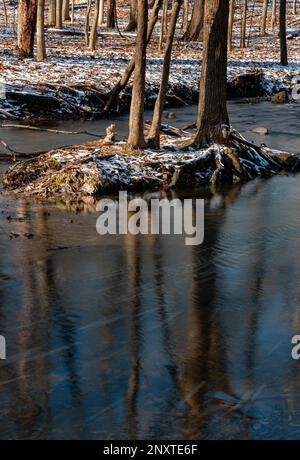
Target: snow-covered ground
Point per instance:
(71, 63)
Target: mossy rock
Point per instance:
(280, 98)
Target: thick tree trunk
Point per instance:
(194, 30)
(66, 10)
(58, 21)
(230, 23)
(101, 13)
(93, 34)
(132, 18)
(212, 111)
(130, 66)
(154, 133)
(244, 24)
(110, 14)
(136, 137)
(264, 18)
(282, 32)
(40, 33)
(52, 13)
(26, 27)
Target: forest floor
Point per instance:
(74, 81)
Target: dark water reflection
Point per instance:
(144, 337)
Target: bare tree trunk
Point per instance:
(212, 109)
(132, 18)
(194, 30)
(5, 12)
(295, 7)
(273, 19)
(230, 24)
(110, 14)
(52, 13)
(130, 66)
(163, 23)
(244, 24)
(93, 34)
(101, 13)
(58, 21)
(264, 18)
(72, 11)
(40, 33)
(282, 33)
(87, 21)
(154, 133)
(136, 137)
(66, 10)
(26, 27)
(185, 15)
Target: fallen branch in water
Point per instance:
(55, 131)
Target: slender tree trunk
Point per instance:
(295, 7)
(194, 30)
(244, 24)
(87, 21)
(72, 11)
(110, 14)
(282, 33)
(26, 27)
(40, 33)
(185, 15)
(93, 34)
(212, 110)
(163, 23)
(5, 12)
(136, 137)
(52, 13)
(66, 10)
(132, 18)
(58, 21)
(264, 18)
(230, 24)
(101, 13)
(273, 19)
(130, 66)
(154, 133)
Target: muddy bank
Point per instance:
(48, 102)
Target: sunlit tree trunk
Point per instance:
(66, 10)
(264, 17)
(101, 13)
(194, 30)
(163, 23)
(212, 109)
(93, 34)
(52, 13)
(230, 24)
(58, 21)
(136, 137)
(244, 24)
(154, 133)
(40, 33)
(185, 15)
(26, 27)
(87, 21)
(130, 66)
(282, 33)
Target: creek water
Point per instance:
(143, 337)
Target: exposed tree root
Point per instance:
(105, 167)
